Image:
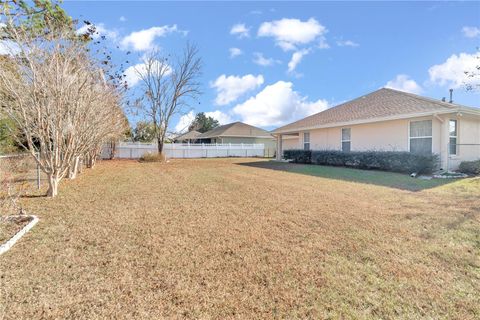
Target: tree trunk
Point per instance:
(112, 150)
(89, 159)
(160, 146)
(52, 185)
(80, 165)
(93, 161)
(72, 174)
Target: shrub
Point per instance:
(404, 162)
(470, 167)
(152, 157)
(298, 155)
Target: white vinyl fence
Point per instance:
(134, 150)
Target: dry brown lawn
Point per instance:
(214, 239)
(10, 225)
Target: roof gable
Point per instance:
(236, 129)
(189, 135)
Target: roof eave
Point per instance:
(363, 121)
(236, 136)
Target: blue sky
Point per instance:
(270, 63)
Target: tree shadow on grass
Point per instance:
(380, 178)
(33, 196)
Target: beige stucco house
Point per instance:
(389, 120)
(189, 137)
(239, 132)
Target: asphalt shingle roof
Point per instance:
(378, 104)
(191, 135)
(236, 129)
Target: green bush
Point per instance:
(298, 155)
(404, 162)
(470, 167)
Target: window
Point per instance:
(306, 140)
(453, 132)
(421, 137)
(346, 142)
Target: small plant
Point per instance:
(470, 167)
(152, 157)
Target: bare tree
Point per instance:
(472, 83)
(168, 87)
(55, 93)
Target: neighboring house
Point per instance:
(189, 137)
(389, 120)
(239, 132)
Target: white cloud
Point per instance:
(132, 73)
(99, 30)
(235, 52)
(122, 19)
(276, 105)
(222, 118)
(289, 33)
(471, 32)
(240, 30)
(230, 88)
(347, 43)
(296, 58)
(184, 122)
(452, 71)
(143, 40)
(322, 43)
(259, 59)
(403, 82)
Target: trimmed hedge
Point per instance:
(298, 155)
(404, 162)
(470, 167)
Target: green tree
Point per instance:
(144, 132)
(202, 123)
(39, 17)
(7, 141)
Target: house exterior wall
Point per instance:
(468, 148)
(376, 136)
(290, 143)
(393, 135)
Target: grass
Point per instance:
(213, 239)
(380, 178)
(11, 225)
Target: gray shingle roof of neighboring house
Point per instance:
(191, 135)
(236, 129)
(380, 105)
